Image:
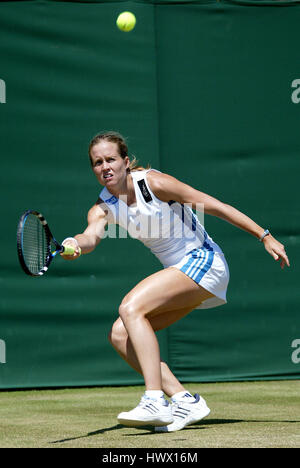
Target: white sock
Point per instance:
(154, 394)
(184, 395)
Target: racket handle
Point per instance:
(68, 250)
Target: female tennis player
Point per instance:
(152, 206)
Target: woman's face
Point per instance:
(108, 166)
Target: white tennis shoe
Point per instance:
(150, 411)
(186, 413)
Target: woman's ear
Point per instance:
(127, 162)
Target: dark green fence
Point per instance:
(205, 91)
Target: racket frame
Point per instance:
(49, 239)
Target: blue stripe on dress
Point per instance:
(188, 264)
(198, 265)
(193, 264)
(202, 263)
(194, 222)
(207, 246)
(205, 267)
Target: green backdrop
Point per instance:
(203, 91)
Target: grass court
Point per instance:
(243, 415)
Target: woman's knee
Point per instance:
(117, 334)
(128, 311)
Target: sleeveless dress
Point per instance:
(174, 235)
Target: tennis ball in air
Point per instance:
(126, 21)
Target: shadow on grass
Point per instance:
(90, 434)
(196, 426)
(149, 429)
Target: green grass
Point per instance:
(244, 414)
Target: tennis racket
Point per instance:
(36, 245)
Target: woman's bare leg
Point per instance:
(121, 342)
(165, 291)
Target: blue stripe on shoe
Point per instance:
(183, 411)
(154, 407)
(150, 409)
(197, 398)
(179, 416)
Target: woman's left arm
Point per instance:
(166, 188)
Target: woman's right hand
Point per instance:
(72, 242)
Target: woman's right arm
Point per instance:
(87, 241)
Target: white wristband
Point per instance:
(71, 239)
(76, 242)
(266, 233)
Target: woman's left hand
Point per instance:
(276, 249)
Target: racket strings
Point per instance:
(34, 244)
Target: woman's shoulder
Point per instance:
(157, 179)
(97, 210)
(162, 185)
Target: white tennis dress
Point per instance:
(174, 234)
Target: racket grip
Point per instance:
(68, 250)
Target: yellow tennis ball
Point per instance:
(126, 21)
